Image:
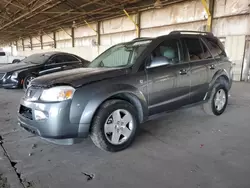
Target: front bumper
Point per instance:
(57, 123)
(9, 83)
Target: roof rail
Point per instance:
(141, 38)
(191, 32)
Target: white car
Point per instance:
(6, 57)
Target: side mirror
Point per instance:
(158, 61)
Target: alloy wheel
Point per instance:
(220, 100)
(119, 127)
(28, 81)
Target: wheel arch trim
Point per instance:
(132, 95)
(220, 73)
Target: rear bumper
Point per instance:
(56, 125)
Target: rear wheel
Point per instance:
(217, 103)
(114, 126)
(27, 80)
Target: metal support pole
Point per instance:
(138, 21)
(211, 10)
(136, 25)
(209, 19)
(41, 41)
(73, 36)
(54, 39)
(23, 44)
(98, 33)
(16, 46)
(11, 48)
(31, 44)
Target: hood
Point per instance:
(15, 67)
(78, 77)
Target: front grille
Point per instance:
(26, 112)
(2, 75)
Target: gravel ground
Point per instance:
(184, 149)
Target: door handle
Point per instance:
(212, 67)
(183, 72)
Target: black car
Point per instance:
(127, 85)
(20, 74)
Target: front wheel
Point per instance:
(114, 126)
(218, 101)
(27, 80)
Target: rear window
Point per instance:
(216, 48)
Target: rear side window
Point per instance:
(216, 48)
(57, 59)
(196, 49)
(206, 54)
(69, 58)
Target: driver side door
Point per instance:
(169, 83)
(54, 64)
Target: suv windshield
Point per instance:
(121, 55)
(36, 59)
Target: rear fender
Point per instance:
(219, 74)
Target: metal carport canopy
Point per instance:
(27, 18)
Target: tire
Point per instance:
(210, 107)
(16, 61)
(27, 80)
(104, 118)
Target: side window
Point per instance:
(69, 58)
(169, 49)
(195, 49)
(206, 54)
(2, 54)
(57, 59)
(215, 48)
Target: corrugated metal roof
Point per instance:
(24, 18)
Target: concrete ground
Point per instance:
(184, 149)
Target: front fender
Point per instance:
(102, 94)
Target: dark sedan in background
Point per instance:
(19, 75)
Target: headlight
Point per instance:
(14, 75)
(59, 93)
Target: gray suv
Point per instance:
(125, 86)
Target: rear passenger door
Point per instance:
(168, 84)
(201, 62)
